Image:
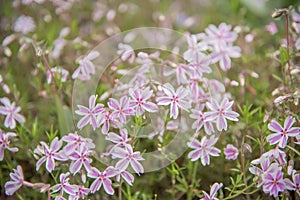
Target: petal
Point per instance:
(275, 126)
(107, 187)
(136, 166)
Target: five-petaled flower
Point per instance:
(75, 141)
(102, 178)
(64, 186)
(51, 154)
(120, 109)
(221, 112)
(4, 143)
(139, 102)
(79, 158)
(203, 149)
(12, 113)
(295, 185)
(176, 99)
(127, 156)
(90, 114)
(17, 180)
(282, 133)
(86, 66)
(213, 191)
(273, 181)
(121, 140)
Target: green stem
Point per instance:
(242, 192)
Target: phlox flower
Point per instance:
(51, 154)
(12, 113)
(90, 114)
(80, 193)
(57, 72)
(220, 35)
(24, 24)
(231, 152)
(181, 71)
(17, 180)
(213, 191)
(102, 178)
(127, 156)
(121, 140)
(273, 181)
(194, 47)
(4, 143)
(120, 109)
(107, 119)
(200, 65)
(126, 52)
(223, 53)
(221, 112)
(140, 101)
(64, 186)
(276, 155)
(282, 133)
(201, 121)
(295, 185)
(203, 149)
(86, 66)
(75, 141)
(79, 158)
(125, 175)
(176, 99)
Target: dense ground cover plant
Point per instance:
(228, 91)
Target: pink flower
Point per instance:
(282, 133)
(17, 180)
(90, 114)
(139, 102)
(80, 193)
(79, 158)
(126, 52)
(200, 65)
(176, 99)
(201, 121)
(272, 28)
(181, 71)
(220, 35)
(4, 143)
(129, 178)
(273, 181)
(295, 185)
(86, 66)
(277, 155)
(120, 109)
(264, 163)
(203, 149)
(121, 140)
(102, 178)
(11, 112)
(64, 186)
(50, 154)
(223, 53)
(106, 119)
(58, 73)
(75, 141)
(127, 157)
(24, 24)
(194, 47)
(213, 191)
(221, 112)
(231, 152)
